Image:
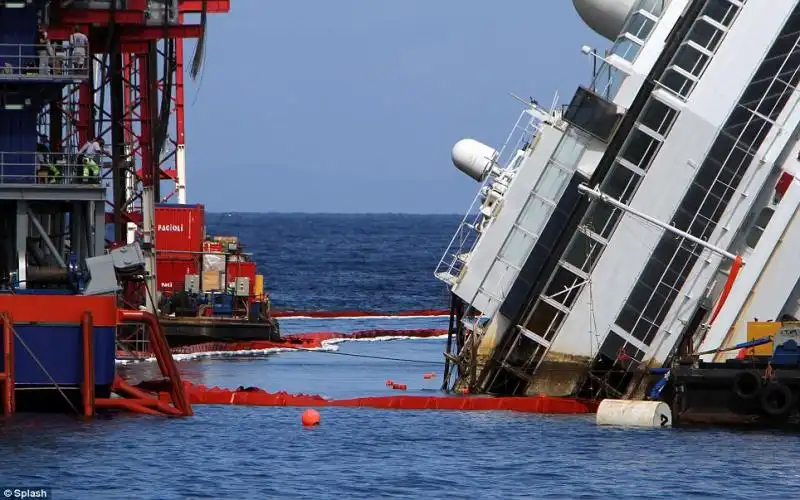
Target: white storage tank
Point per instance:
(606, 17)
(474, 158)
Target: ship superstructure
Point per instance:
(688, 138)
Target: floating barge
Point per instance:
(208, 288)
(761, 386)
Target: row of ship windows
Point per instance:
(640, 148)
(637, 28)
(698, 48)
(643, 315)
(705, 202)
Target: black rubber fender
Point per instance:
(747, 385)
(776, 399)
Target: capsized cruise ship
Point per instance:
(653, 214)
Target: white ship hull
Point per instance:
(694, 122)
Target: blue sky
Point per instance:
(354, 105)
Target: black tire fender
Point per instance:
(776, 399)
(747, 385)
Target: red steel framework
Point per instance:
(134, 99)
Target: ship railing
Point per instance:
(466, 237)
(40, 168)
(37, 61)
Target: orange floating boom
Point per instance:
(200, 394)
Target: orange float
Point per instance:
(310, 418)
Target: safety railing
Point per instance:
(47, 168)
(522, 137)
(37, 61)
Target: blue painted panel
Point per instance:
(18, 27)
(18, 138)
(59, 350)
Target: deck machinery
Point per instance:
(60, 308)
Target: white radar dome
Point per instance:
(606, 17)
(474, 158)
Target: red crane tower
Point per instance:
(135, 101)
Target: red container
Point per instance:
(179, 231)
(212, 247)
(171, 273)
(242, 270)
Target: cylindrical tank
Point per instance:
(634, 413)
(606, 17)
(474, 158)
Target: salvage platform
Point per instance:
(192, 331)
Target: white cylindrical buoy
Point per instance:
(634, 413)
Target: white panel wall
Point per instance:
(745, 300)
(672, 171)
(763, 286)
(748, 49)
(634, 240)
(738, 58)
(492, 240)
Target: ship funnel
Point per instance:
(605, 17)
(474, 158)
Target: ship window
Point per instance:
(677, 82)
(705, 35)
(583, 252)
(620, 183)
(640, 26)
(755, 132)
(565, 287)
(627, 318)
(682, 219)
(517, 247)
(640, 148)
(654, 7)
(612, 346)
(759, 225)
(650, 336)
(658, 117)
(641, 329)
(639, 297)
(691, 59)
(544, 320)
(602, 218)
(626, 48)
(652, 273)
(721, 11)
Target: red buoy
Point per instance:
(310, 418)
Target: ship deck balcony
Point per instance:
(45, 177)
(36, 64)
(593, 114)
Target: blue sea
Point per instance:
(375, 262)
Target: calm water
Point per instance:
(372, 262)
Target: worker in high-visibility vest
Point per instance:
(48, 172)
(89, 153)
